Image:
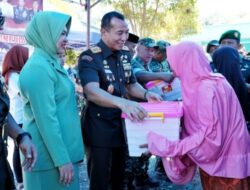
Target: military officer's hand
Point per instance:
(66, 174)
(133, 110)
(153, 97)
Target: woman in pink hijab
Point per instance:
(214, 136)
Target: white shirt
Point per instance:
(16, 103)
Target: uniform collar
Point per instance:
(106, 51)
(54, 61)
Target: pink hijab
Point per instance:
(214, 135)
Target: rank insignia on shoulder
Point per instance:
(96, 49)
(87, 58)
(125, 48)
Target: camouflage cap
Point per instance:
(211, 44)
(230, 34)
(161, 45)
(147, 42)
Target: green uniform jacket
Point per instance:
(50, 111)
(51, 114)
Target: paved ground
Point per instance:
(164, 185)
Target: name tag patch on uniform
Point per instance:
(87, 58)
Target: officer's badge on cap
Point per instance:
(230, 34)
(147, 42)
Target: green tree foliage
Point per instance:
(71, 57)
(160, 19)
(180, 20)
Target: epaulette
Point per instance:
(125, 48)
(96, 49)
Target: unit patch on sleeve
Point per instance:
(86, 58)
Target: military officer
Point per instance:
(232, 38)
(106, 76)
(212, 46)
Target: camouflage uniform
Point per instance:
(160, 66)
(156, 66)
(139, 65)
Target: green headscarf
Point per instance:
(45, 29)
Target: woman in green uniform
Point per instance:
(50, 109)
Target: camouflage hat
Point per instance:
(230, 34)
(133, 38)
(147, 42)
(211, 44)
(161, 45)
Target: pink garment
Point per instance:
(214, 134)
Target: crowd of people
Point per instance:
(113, 74)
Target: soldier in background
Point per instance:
(212, 46)
(232, 38)
(131, 43)
(145, 50)
(159, 62)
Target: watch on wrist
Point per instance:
(19, 137)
